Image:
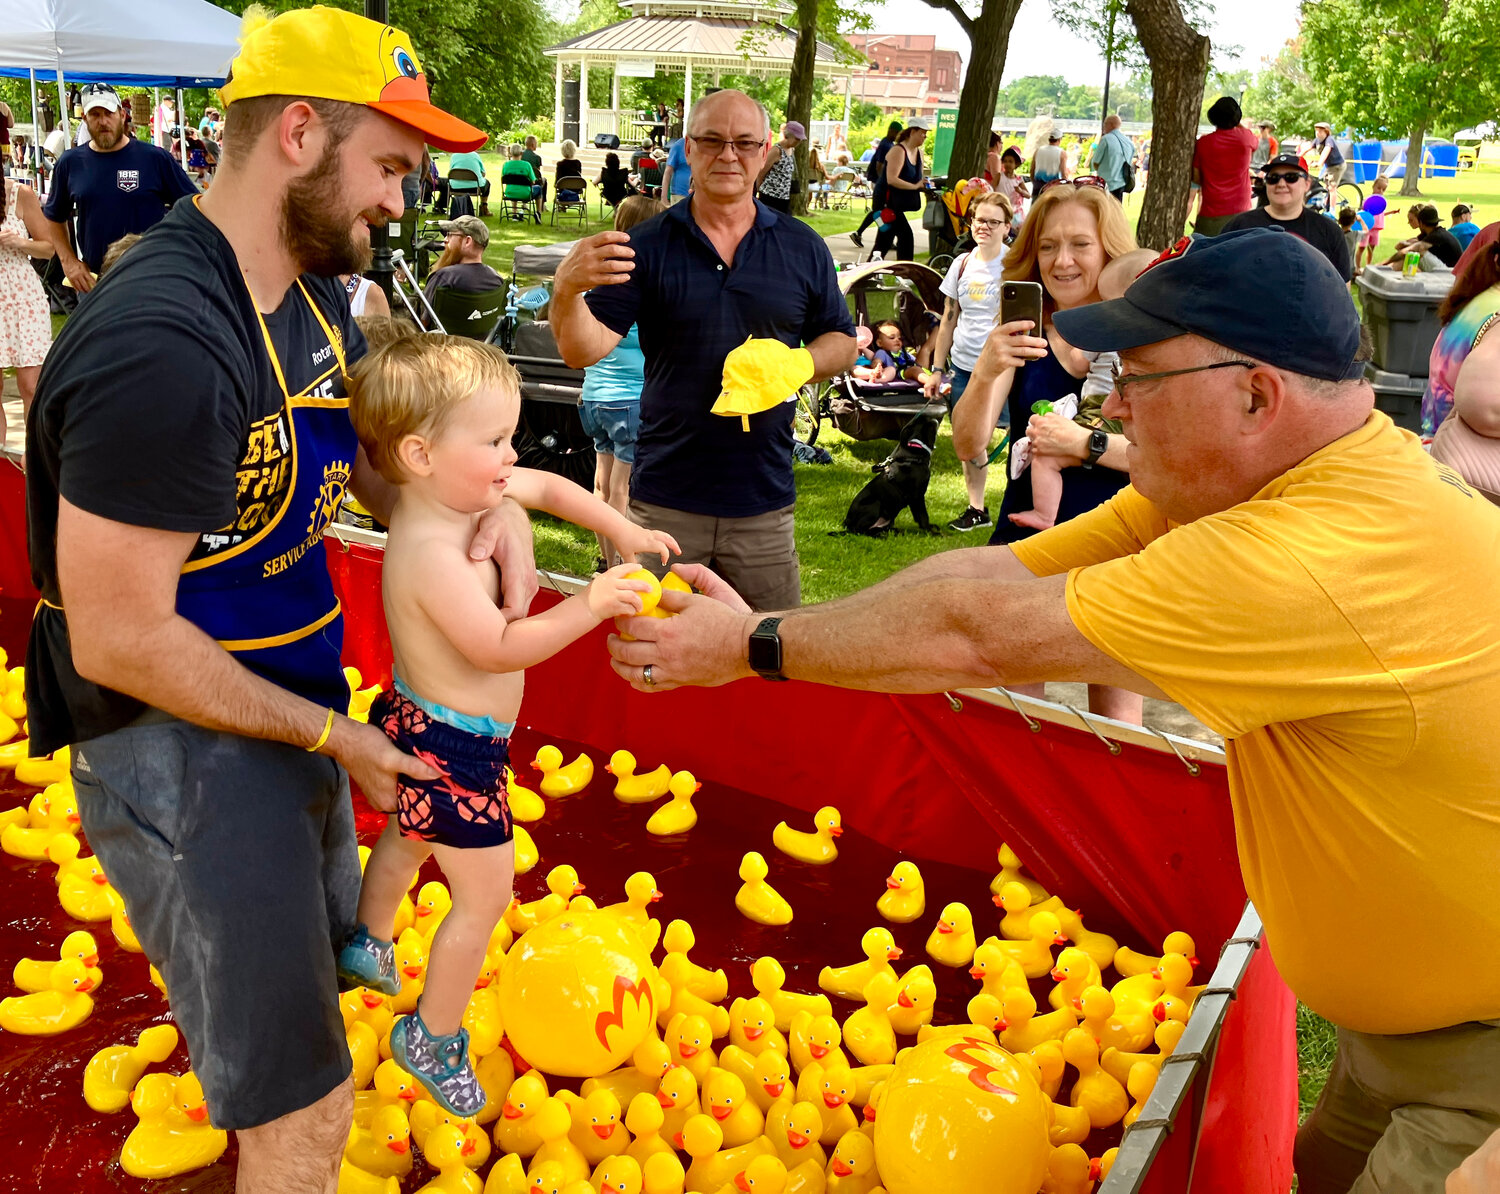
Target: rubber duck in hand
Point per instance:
(916, 997)
(1095, 1091)
(752, 1026)
(997, 969)
(644, 1119)
(1068, 1171)
(445, 1153)
(711, 985)
(516, 1131)
(678, 1096)
(1034, 955)
(690, 1042)
(553, 1125)
(868, 1034)
(831, 1092)
(851, 1169)
(678, 814)
(172, 1134)
(1074, 972)
(1118, 1063)
(768, 977)
(36, 975)
(111, 1073)
(384, 1148)
(1024, 1030)
(524, 804)
(558, 780)
(562, 886)
(849, 982)
(1129, 963)
(64, 1005)
(793, 1129)
(756, 899)
(1010, 872)
(904, 899)
(817, 1039)
(631, 788)
(818, 847)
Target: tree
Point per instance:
(1401, 67)
(1179, 63)
(1282, 93)
(989, 42)
(1030, 94)
(799, 89)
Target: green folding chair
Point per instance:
(465, 314)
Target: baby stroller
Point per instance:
(908, 293)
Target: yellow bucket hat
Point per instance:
(327, 53)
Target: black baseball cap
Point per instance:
(1286, 159)
(1259, 291)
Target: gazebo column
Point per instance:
(583, 103)
(687, 95)
(557, 101)
(614, 101)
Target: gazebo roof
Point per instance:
(725, 35)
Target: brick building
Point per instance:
(907, 74)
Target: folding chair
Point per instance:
(461, 202)
(570, 208)
(465, 314)
(515, 190)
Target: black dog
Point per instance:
(900, 482)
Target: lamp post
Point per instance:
(380, 271)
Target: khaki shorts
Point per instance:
(1400, 1113)
(757, 555)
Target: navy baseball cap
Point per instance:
(1259, 291)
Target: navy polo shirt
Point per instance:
(692, 310)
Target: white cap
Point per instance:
(917, 122)
(100, 95)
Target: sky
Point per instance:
(1038, 47)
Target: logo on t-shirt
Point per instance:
(128, 180)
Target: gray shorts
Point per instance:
(757, 554)
(239, 868)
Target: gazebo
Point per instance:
(706, 37)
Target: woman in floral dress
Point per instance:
(25, 323)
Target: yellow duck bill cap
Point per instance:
(326, 53)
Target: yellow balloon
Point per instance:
(960, 1115)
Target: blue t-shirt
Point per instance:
(682, 173)
(1464, 233)
(902, 360)
(113, 194)
(692, 309)
(621, 375)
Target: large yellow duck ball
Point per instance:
(962, 1116)
(577, 994)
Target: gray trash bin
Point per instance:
(1402, 316)
(1399, 396)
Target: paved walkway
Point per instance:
(845, 251)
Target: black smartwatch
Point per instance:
(765, 650)
(1098, 445)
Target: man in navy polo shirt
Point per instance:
(699, 280)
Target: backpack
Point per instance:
(1127, 167)
(876, 169)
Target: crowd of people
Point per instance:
(1195, 467)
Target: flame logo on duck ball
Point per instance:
(615, 1017)
(975, 1054)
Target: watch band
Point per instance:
(1098, 445)
(765, 649)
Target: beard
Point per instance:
(317, 227)
(108, 136)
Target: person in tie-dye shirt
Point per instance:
(1469, 313)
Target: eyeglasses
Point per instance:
(1122, 380)
(714, 146)
(1289, 179)
(1087, 180)
(990, 223)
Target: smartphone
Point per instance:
(1022, 300)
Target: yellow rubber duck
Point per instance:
(1067, 1125)
(725, 1098)
(818, 847)
(361, 697)
(392, 1087)
(1100, 947)
(445, 1153)
(768, 977)
(765, 1077)
(64, 1005)
(916, 997)
(816, 1039)
(560, 780)
(868, 1034)
(1094, 1090)
(1010, 872)
(1176, 974)
(831, 1092)
(631, 788)
(82, 888)
(644, 1119)
(1034, 955)
(411, 969)
(640, 893)
(689, 1040)
(370, 1006)
(1129, 963)
(483, 1021)
(433, 904)
(1129, 1033)
(51, 770)
(663, 1174)
(848, 982)
(562, 886)
(384, 1148)
(1068, 1169)
(1024, 1030)
(121, 928)
(549, 1178)
(711, 985)
(515, 1131)
(13, 754)
(986, 1015)
(524, 804)
(527, 855)
(793, 1129)
(1017, 908)
(596, 1129)
(364, 1052)
(650, 1060)
(1139, 1084)
(111, 1073)
(354, 1180)
(752, 1026)
(157, 981)
(678, 1096)
(1117, 1063)
(427, 1117)
(553, 1123)
(30, 842)
(681, 1001)
(678, 815)
(617, 1175)
(406, 911)
(851, 1169)
(1051, 1067)
(713, 1165)
(904, 898)
(756, 899)
(495, 1072)
(507, 1176)
(763, 1175)
(36, 975)
(1074, 972)
(172, 1134)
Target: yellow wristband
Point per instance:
(323, 737)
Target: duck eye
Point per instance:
(404, 63)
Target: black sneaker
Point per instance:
(971, 520)
(857, 239)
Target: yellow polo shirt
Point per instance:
(1341, 630)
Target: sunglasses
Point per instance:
(1289, 179)
(1087, 180)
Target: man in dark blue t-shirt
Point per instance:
(699, 280)
(115, 184)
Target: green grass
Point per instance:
(1316, 1043)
